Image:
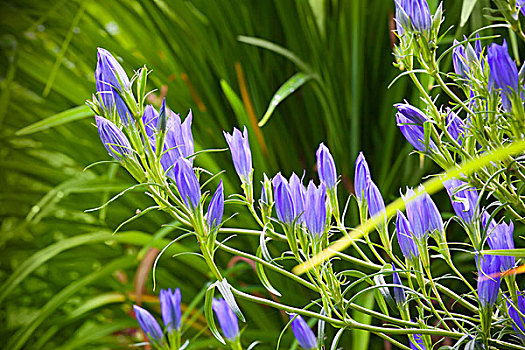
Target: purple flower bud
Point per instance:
(122, 109)
(503, 71)
(520, 4)
(402, 19)
(241, 153)
(113, 139)
(216, 208)
(464, 201)
(514, 313)
(375, 201)
(227, 319)
(405, 237)
(315, 209)
(499, 237)
(419, 14)
(417, 213)
(150, 119)
(489, 267)
(111, 71)
(459, 59)
(170, 307)
(304, 335)
(149, 325)
(414, 133)
(298, 197)
(187, 183)
(413, 114)
(178, 142)
(455, 127)
(163, 117)
(435, 222)
(282, 195)
(362, 177)
(326, 167)
(399, 293)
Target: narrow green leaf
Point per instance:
(208, 313)
(361, 338)
(466, 10)
(262, 276)
(61, 118)
(226, 292)
(518, 253)
(289, 87)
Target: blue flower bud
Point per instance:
(464, 201)
(456, 127)
(298, 197)
(227, 319)
(362, 177)
(241, 153)
(415, 115)
(326, 167)
(459, 60)
(178, 142)
(514, 313)
(150, 119)
(170, 307)
(499, 237)
(187, 183)
(149, 325)
(422, 213)
(402, 19)
(503, 71)
(435, 221)
(405, 238)
(111, 71)
(413, 132)
(113, 139)
(163, 117)
(122, 109)
(489, 267)
(399, 292)
(304, 335)
(375, 201)
(419, 14)
(282, 195)
(315, 213)
(216, 208)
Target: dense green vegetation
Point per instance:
(68, 282)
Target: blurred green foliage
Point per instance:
(67, 282)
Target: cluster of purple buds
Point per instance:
(171, 316)
(489, 280)
(227, 319)
(500, 237)
(413, 15)
(410, 121)
(304, 335)
(463, 57)
(111, 81)
(517, 315)
(503, 73)
(464, 200)
(241, 153)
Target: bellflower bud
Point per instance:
(163, 117)
(170, 307)
(150, 119)
(241, 153)
(399, 293)
(216, 208)
(178, 142)
(420, 16)
(435, 222)
(149, 325)
(315, 209)
(304, 335)
(455, 127)
(413, 132)
(504, 72)
(417, 213)
(499, 237)
(464, 201)
(362, 177)
(122, 109)
(489, 267)
(187, 183)
(415, 115)
(375, 201)
(459, 60)
(298, 197)
(402, 19)
(227, 319)
(111, 71)
(405, 238)
(514, 313)
(326, 167)
(104, 90)
(113, 139)
(284, 204)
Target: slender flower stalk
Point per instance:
(304, 335)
